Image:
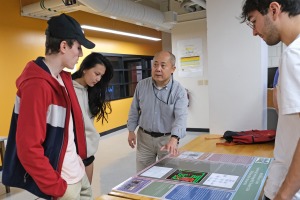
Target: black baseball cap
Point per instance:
(66, 27)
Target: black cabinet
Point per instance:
(128, 71)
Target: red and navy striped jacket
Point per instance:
(38, 135)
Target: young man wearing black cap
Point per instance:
(46, 142)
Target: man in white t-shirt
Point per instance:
(276, 21)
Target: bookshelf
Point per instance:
(128, 71)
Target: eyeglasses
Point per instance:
(250, 24)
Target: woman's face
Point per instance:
(93, 75)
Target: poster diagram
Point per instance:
(190, 58)
(134, 185)
(202, 176)
(221, 180)
(156, 172)
(187, 176)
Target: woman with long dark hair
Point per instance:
(91, 83)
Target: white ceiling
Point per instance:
(178, 6)
(155, 14)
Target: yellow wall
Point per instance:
(22, 39)
(118, 117)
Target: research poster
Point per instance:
(190, 58)
(201, 176)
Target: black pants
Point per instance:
(266, 198)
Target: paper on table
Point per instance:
(156, 172)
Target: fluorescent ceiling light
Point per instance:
(119, 32)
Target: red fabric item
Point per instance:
(248, 137)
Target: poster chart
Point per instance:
(190, 57)
(200, 176)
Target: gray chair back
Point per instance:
(272, 118)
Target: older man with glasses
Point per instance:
(159, 108)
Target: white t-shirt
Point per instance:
(73, 168)
(288, 127)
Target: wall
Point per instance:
(118, 117)
(237, 65)
(231, 82)
(198, 115)
(22, 39)
(274, 54)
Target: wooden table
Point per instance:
(207, 143)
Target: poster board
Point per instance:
(190, 58)
(197, 175)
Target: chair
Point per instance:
(272, 118)
(2, 152)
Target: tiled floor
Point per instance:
(114, 163)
